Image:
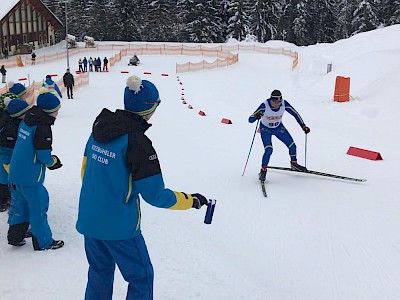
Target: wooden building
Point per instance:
(26, 22)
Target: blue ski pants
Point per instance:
(283, 135)
(30, 204)
(133, 260)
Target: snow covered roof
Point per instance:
(6, 6)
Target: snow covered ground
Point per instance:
(312, 238)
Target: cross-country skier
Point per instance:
(270, 114)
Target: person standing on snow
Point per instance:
(3, 72)
(51, 86)
(120, 161)
(105, 64)
(270, 114)
(84, 62)
(33, 58)
(90, 64)
(30, 158)
(11, 116)
(80, 63)
(69, 83)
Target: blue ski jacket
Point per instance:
(32, 151)
(120, 163)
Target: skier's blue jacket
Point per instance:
(119, 164)
(52, 87)
(32, 151)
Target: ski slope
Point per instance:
(312, 238)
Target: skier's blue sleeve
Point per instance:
(261, 108)
(154, 192)
(57, 90)
(290, 109)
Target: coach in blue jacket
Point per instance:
(119, 164)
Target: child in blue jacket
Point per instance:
(119, 164)
(31, 156)
(270, 114)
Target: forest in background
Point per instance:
(301, 22)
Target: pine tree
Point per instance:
(264, 17)
(364, 17)
(239, 21)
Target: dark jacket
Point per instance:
(68, 79)
(9, 129)
(3, 71)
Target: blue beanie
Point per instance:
(16, 107)
(141, 96)
(16, 88)
(47, 101)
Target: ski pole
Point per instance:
(255, 131)
(305, 152)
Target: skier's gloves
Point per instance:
(306, 129)
(57, 163)
(258, 115)
(199, 200)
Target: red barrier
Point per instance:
(183, 102)
(53, 75)
(163, 74)
(342, 89)
(201, 113)
(21, 79)
(226, 121)
(190, 107)
(124, 72)
(147, 73)
(372, 155)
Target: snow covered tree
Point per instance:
(201, 21)
(264, 18)
(364, 17)
(239, 21)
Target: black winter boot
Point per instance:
(16, 234)
(54, 245)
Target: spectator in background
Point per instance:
(51, 86)
(5, 52)
(69, 83)
(105, 64)
(33, 58)
(85, 62)
(98, 64)
(80, 63)
(3, 72)
(90, 64)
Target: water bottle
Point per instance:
(210, 211)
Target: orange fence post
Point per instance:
(342, 89)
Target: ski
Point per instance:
(319, 174)
(263, 189)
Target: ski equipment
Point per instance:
(252, 142)
(319, 174)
